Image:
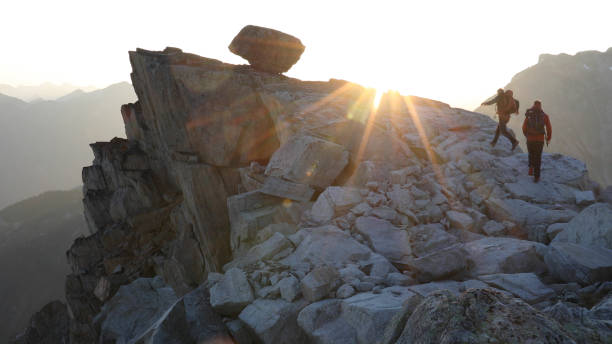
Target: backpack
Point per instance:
(535, 122)
(513, 106)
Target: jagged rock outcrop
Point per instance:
(48, 326)
(308, 213)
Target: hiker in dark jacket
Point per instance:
(536, 128)
(505, 105)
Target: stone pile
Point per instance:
(309, 215)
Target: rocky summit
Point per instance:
(253, 207)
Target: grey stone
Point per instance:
(440, 264)
(425, 239)
(308, 160)
(592, 227)
(532, 218)
(494, 228)
(399, 279)
(369, 313)
(451, 286)
(584, 197)
(575, 263)
(386, 239)
(364, 286)
(274, 321)
(289, 288)
(230, 295)
(190, 320)
(276, 244)
(460, 220)
(322, 324)
(385, 213)
(553, 230)
(351, 273)
(466, 318)
(319, 283)
(527, 286)
(345, 291)
(134, 309)
(327, 245)
(603, 309)
(334, 201)
(285, 189)
(239, 331)
(266, 49)
(505, 255)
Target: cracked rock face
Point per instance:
(290, 199)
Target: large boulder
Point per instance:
(191, 320)
(592, 227)
(327, 245)
(319, 283)
(266, 49)
(575, 263)
(531, 218)
(308, 160)
(274, 321)
(134, 310)
(232, 293)
(582, 325)
(333, 202)
(477, 316)
(505, 255)
(440, 264)
(386, 239)
(361, 318)
(526, 286)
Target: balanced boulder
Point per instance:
(267, 50)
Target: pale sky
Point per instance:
(457, 52)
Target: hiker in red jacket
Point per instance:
(505, 106)
(536, 128)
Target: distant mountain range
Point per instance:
(34, 236)
(44, 144)
(45, 91)
(576, 92)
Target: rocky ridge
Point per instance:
(284, 211)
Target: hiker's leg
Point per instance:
(496, 135)
(530, 152)
(506, 133)
(538, 147)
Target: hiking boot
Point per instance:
(514, 144)
(493, 143)
(531, 171)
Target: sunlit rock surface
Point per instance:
(314, 216)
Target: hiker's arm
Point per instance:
(492, 101)
(548, 129)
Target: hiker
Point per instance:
(505, 106)
(536, 128)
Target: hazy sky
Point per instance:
(458, 52)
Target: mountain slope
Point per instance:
(45, 91)
(575, 92)
(34, 236)
(43, 145)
